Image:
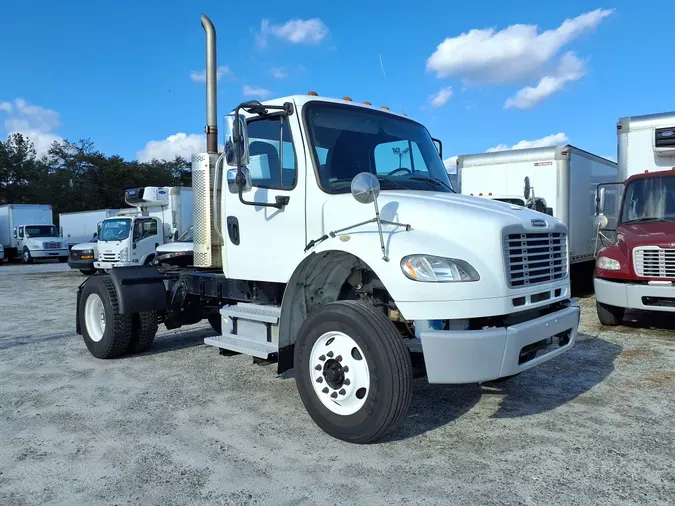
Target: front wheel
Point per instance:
(106, 332)
(353, 371)
(26, 256)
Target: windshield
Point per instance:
(115, 230)
(649, 199)
(347, 140)
(41, 231)
(185, 236)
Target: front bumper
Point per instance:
(81, 264)
(110, 265)
(634, 296)
(473, 356)
(49, 253)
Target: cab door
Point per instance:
(146, 238)
(20, 238)
(265, 243)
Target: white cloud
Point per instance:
(279, 73)
(570, 68)
(296, 31)
(252, 91)
(439, 99)
(180, 144)
(549, 140)
(200, 77)
(509, 55)
(451, 165)
(35, 122)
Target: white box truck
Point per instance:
(158, 215)
(338, 263)
(27, 232)
(558, 180)
(635, 268)
(81, 226)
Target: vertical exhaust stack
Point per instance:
(206, 239)
(211, 87)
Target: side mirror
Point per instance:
(527, 191)
(365, 187)
(16, 236)
(600, 222)
(549, 211)
(236, 131)
(232, 176)
(600, 201)
(439, 147)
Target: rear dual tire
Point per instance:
(353, 371)
(106, 332)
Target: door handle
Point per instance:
(233, 229)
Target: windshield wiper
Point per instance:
(432, 181)
(385, 179)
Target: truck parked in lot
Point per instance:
(27, 232)
(635, 269)
(160, 215)
(80, 226)
(315, 248)
(556, 180)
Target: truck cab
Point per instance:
(637, 269)
(159, 215)
(40, 242)
(327, 238)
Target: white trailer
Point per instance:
(158, 215)
(27, 231)
(80, 226)
(645, 143)
(562, 183)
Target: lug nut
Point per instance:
(319, 379)
(345, 369)
(333, 395)
(325, 390)
(330, 354)
(317, 367)
(347, 382)
(322, 357)
(339, 358)
(342, 391)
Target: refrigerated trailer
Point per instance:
(557, 180)
(645, 143)
(314, 247)
(27, 232)
(80, 226)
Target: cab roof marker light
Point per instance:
(313, 93)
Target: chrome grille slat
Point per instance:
(654, 262)
(532, 258)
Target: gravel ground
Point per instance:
(183, 425)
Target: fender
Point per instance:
(316, 281)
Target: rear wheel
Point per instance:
(144, 329)
(609, 315)
(353, 371)
(106, 332)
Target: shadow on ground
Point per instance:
(647, 320)
(7, 342)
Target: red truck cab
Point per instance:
(638, 270)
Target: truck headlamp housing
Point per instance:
(608, 264)
(429, 268)
(124, 255)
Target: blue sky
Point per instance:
(479, 75)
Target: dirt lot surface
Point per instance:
(183, 425)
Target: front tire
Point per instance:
(106, 332)
(609, 315)
(26, 256)
(353, 371)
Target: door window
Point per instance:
(144, 228)
(21, 232)
(265, 147)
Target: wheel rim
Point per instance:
(25, 256)
(94, 317)
(339, 372)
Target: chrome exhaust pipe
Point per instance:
(211, 87)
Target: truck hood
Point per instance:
(84, 245)
(436, 211)
(660, 234)
(175, 247)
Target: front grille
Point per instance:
(110, 257)
(654, 262)
(535, 258)
(52, 245)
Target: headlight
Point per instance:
(432, 268)
(124, 255)
(87, 252)
(608, 264)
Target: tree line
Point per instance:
(75, 176)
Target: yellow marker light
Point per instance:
(313, 93)
(410, 270)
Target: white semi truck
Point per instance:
(557, 180)
(28, 233)
(161, 215)
(315, 248)
(635, 268)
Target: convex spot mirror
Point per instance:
(236, 131)
(601, 221)
(245, 176)
(365, 187)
